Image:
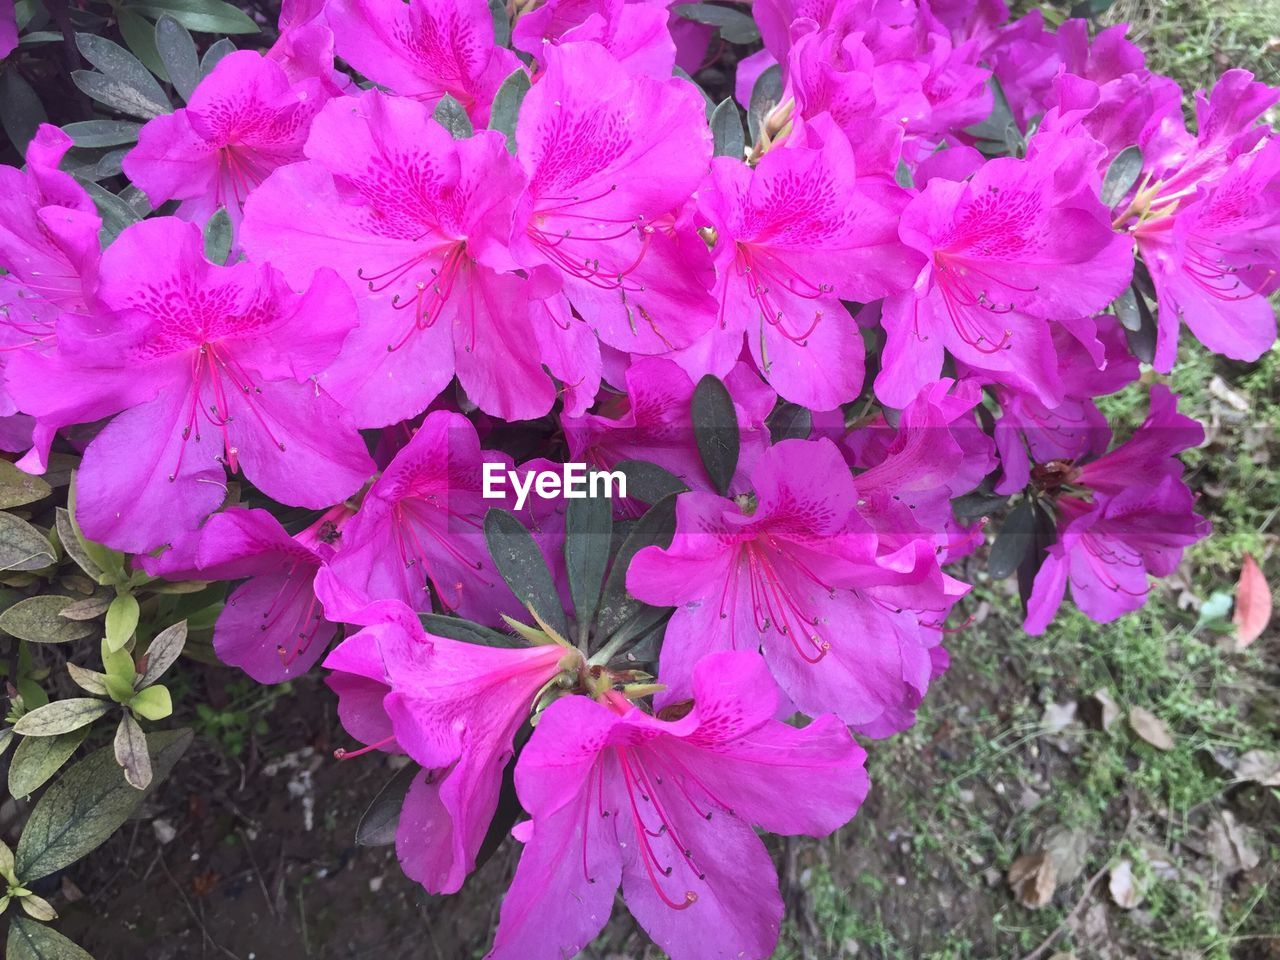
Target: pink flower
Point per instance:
(794, 236)
(1124, 515)
(652, 421)
(203, 368)
(8, 28)
(417, 224)
(1021, 244)
(452, 707)
(424, 49)
(611, 160)
(792, 569)
(244, 120)
(421, 529)
(665, 808)
(635, 33)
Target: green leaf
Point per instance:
(1142, 341)
(790, 421)
(71, 543)
(1012, 542)
(163, 652)
(140, 37)
(87, 804)
(202, 16)
(378, 824)
(452, 115)
(217, 237)
(38, 908)
(501, 23)
(39, 758)
(109, 562)
(996, 128)
(61, 716)
(90, 681)
(37, 619)
(120, 667)
(178, 52)
(715, 428)
(115, 213)
(1126, 310)
(764, 97)
(29, 940)
(21, 111)
(124, 71)
(518, 559)
(152, 703)
(587, 537)
(22, 546)
(655, 528)
(1121, 176)
(6, 738)
(726, 130)
(1044, 531)
(734, 25)
(102, 133)
(649, 482)
(122, 620)
(506, 106)
(90, 608)
(213, 56)
(903, 176)
(18, 488)
(464, 631)
(130, 749)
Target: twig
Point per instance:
(262, 884)
(1070, 918)
(194, 916)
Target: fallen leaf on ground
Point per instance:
(1150, 728)
(1260, 766)
(1033, 878)
(1232, 398)
(1110, 709)
(1231, 844)
(1124, 888)
(1058, 716)
(1253, 603)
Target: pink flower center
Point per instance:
(414, 517)
(764, 274)
(774, 604)
(429, 294)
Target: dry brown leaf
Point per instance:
(1231, 844)
(1124, 888)
(1110, 709)
(1253, 603)
(1033, 878)
(1260, 766)
(1058, 716)
(1150, 728)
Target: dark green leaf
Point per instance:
(213, 56)
(87, 804)
(506, 106)
(217, 237)
(202, 16)
(764, 97)
(378, 824)
(655, 528)
(102, 133)
(61, 716)
(999, 121)
(1142, 342)
(1044, 531)
(735, 26)
(116, 214)
(501, 23)
(790, 422)
(726, 130)
(971, 506)
(715, 428)
(518, 559)
(708, 105)
(1121, 176)
(649, 482)
(39, 758)
(21, 111)
(1126, 310)
(22, 546)
(640, 624)
(455, 628)
(36, 619)
(140, 37)
(587, 536)
(29, 940)
(903, 176)
(116, 95)
(452, 115)
(178, 52)
(119, 65)
(508, 807)
(1012, 542)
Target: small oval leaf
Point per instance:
(518, 559)
(715, 428)
(38, 620)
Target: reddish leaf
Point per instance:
(1253, 604)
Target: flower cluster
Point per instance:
(459, 244)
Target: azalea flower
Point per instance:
(454, 708)
(203, 369)
(665, 808)
(245, 119)
(637, 34)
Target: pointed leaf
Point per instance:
(213, 56)
(715, 427)
(131, 753)
(163, 652)
(790, 422)
(655, 528)
(764, 97)
(90, 681)
(452, 115)
(122, 620)
(87, 804)
(29, 940)
(21, 111)
(506, 106)
(649, 482)
(37, 619)
(18, 488)
(501, 23)
(90, 608)
(22, 546)
(1012, 542)
(1121, 176)
(726, 130)
(378, 824)
(201, 16)
(518, 559)
(122, 68)
(464, 631)
(217, 237)
(734, 25)
(61, 716)
(38, 758)
(153, 702)
(140, 38)
(587, 538)
(178, 52)
(115, 213)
